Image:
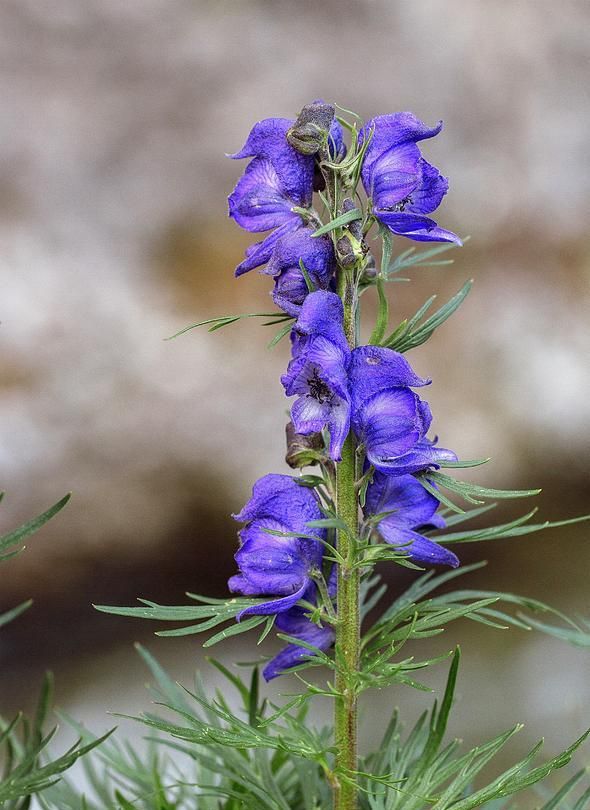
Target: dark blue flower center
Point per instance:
(401, 205)
(319, 390)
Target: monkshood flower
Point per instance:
(318, 374)
(295, 622)
(389, 419)
(317, 255)
(412, 508)
(277, 179)
(404, 188)
(272, 564)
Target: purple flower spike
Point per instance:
(403, 186)
(271, 564)
(318, 371)
(296, 623)
(412, 508)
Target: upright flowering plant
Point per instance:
(375, 492)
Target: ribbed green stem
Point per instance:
(348, 624)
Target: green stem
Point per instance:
(348, 624)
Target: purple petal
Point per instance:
(390, 424)
(311, 416)
(275, 605)
(373, 369)
(414, 506)
(430, 191)
(268, 139)
(290, 291)
(404, 223)
(336, 145)
(259, 202)
(260, 252)
(280, 498)
(323, 314)
(422, 456)
(320, 361)
(338, 427)
(394, 176)
(434, 235)
(292, 655)
(420, 549)
(275, 565)
(390, 132)
(317, 254)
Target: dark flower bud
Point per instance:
(356, 226)
(302, 450)
(345, 251)
(319, 181)
(310, 131)
(351, 246)
(370, 270)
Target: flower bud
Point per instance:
(351, 246)
(369, 271)
(310, 131)
(302, 450)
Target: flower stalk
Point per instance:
(347, 599)
(347, 632)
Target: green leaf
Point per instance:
(576, 636)
(338, 222)
(519, 776)
(461, 464)
(235, 629)
(382, 316)
(555, 802)
(280, 334)
(18, 535)
(225, 320)
(514, 528)
(470, 491)
(439, 722)
(422, 258)
(308, 282)
(418, 336)
(12, 614)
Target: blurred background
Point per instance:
(114, 119)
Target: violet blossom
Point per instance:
(404, 187)
(296, 622)
(278, 565)
(412, 508)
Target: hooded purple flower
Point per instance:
(270, 564)
(387, 417)
(415, 508)
(403, 186)
(317, 255)
(276, 180)
(295, 622)
(318, 371)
